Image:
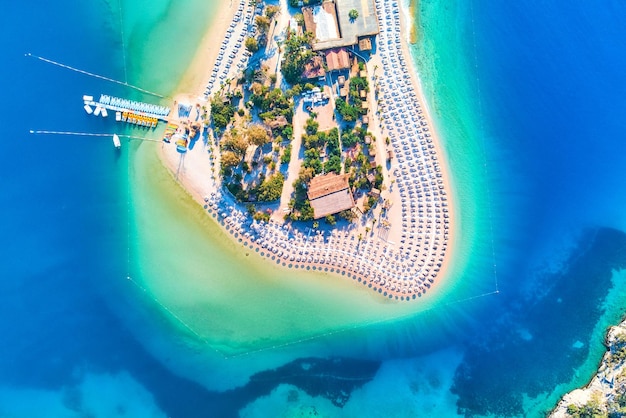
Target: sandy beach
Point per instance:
(302, 247)
(197, 75)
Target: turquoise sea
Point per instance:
(120, 297)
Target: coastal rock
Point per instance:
(605, 395)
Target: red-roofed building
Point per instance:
(337, 59)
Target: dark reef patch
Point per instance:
(529, 344)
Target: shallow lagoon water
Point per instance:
(527, 98)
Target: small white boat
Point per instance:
(87, 98)
(104, 112)
(118, 116)
(97, 111)
(116, 141)
(88, 109)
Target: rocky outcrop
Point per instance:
(605, 395)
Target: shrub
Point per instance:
(251, 44)
(286, 157)
(271, 188)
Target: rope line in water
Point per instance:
(41, 132)
(165, 307)
(484, 147)
(496, 290)
(299, 340)
(78, 70)
(313, 337)
(119, 3)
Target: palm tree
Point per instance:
(353, 14)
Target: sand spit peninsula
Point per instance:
(309, 141)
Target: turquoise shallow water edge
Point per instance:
(528, 98)
(489, 209)
(198, 276)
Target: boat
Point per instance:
(104, 112)
(97, 111)
(116, 141)
(87, 98)
(88, 109)
(118, 116)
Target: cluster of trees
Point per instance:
(353, 108)
(286, 157)
(348, 112)
(234, 144)
(271, 188)
(297, 51)
(349, 139)
(360, 168)
(356, 85)
(591, 409)
(251, 44)
(271, 104)
(299, 204)
(222, 112)
(262, 23)
(315, 142)
(271, 11)
(268, 189)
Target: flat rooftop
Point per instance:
(332, 203)
(364, 25)
(324, 19)
(321, 20)
(329, 194)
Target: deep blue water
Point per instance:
(554, 97)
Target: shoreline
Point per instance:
(192, 172)
(606, 384)
(199, 70)
(444, 160)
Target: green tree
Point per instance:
(311, 126)
(286, 157)
(257, 135)
(348, 112)
(353, 14)
(221, 112)
(333, 164)
(235, 142)
(349, 139)
(271, 188)
(251, 44)
(271, 11)
(297, 53)
(347, 215)
(299, 17)
(263, 23)
(230, 159)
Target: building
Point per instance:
(337, 59)
(365, 44)
(279, 122)
(332, 26)
(314, 68)
(321, 21)
(329, 194)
